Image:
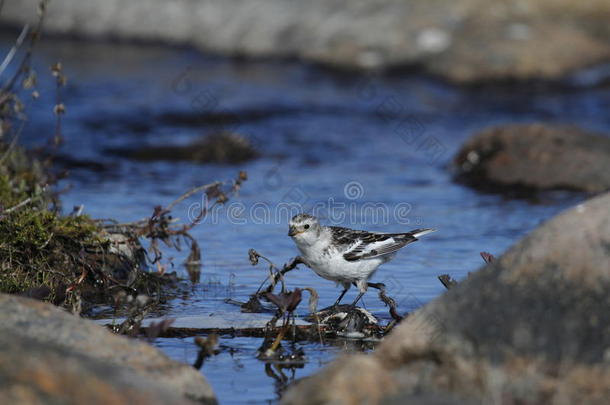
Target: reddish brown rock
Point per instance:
(535, 156)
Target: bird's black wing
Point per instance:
(366, 245)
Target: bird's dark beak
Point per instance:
(292, 231)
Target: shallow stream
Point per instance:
(365, 151)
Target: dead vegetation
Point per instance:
(74, 260)
(79, 261)
(331, 325)
(448, 282)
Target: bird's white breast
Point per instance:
(329, 263)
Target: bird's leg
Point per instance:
(362, 287)
(357, 299)
(340, 297)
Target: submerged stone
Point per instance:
(223, 148)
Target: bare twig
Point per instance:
(449, 282)
(291, 265)
(34, 36)
(313, 309)
(159, 227)
(16, 207)
(193, 191)
(24, 202)
(278, 275)
(11, 54)
(60, 109)
(388, 301)
(254, 256)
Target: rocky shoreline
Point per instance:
(50, 356)
(465, 41)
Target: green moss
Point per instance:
(72, 259)
(21, 177)
(39, 247)
(43, 253)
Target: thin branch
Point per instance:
(278, 275)
(388, 301)
(25, 202)
(59, 109)
(291, 265)
(11, 54)
(28, 54)
(191, 192)
(16, 207)
(160, 227)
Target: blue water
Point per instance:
(364, 151)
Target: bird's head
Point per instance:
(304, 228)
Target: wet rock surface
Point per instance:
(49, 356)
(464, 41)
(530, 327)
(535, 156)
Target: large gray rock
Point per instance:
(535, 156)
(532, 327)
(463, 40)
(49, 356)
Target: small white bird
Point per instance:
(344, 255)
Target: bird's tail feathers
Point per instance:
(416, 233)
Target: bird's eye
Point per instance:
(306, 227)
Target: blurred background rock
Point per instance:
(464, 40)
